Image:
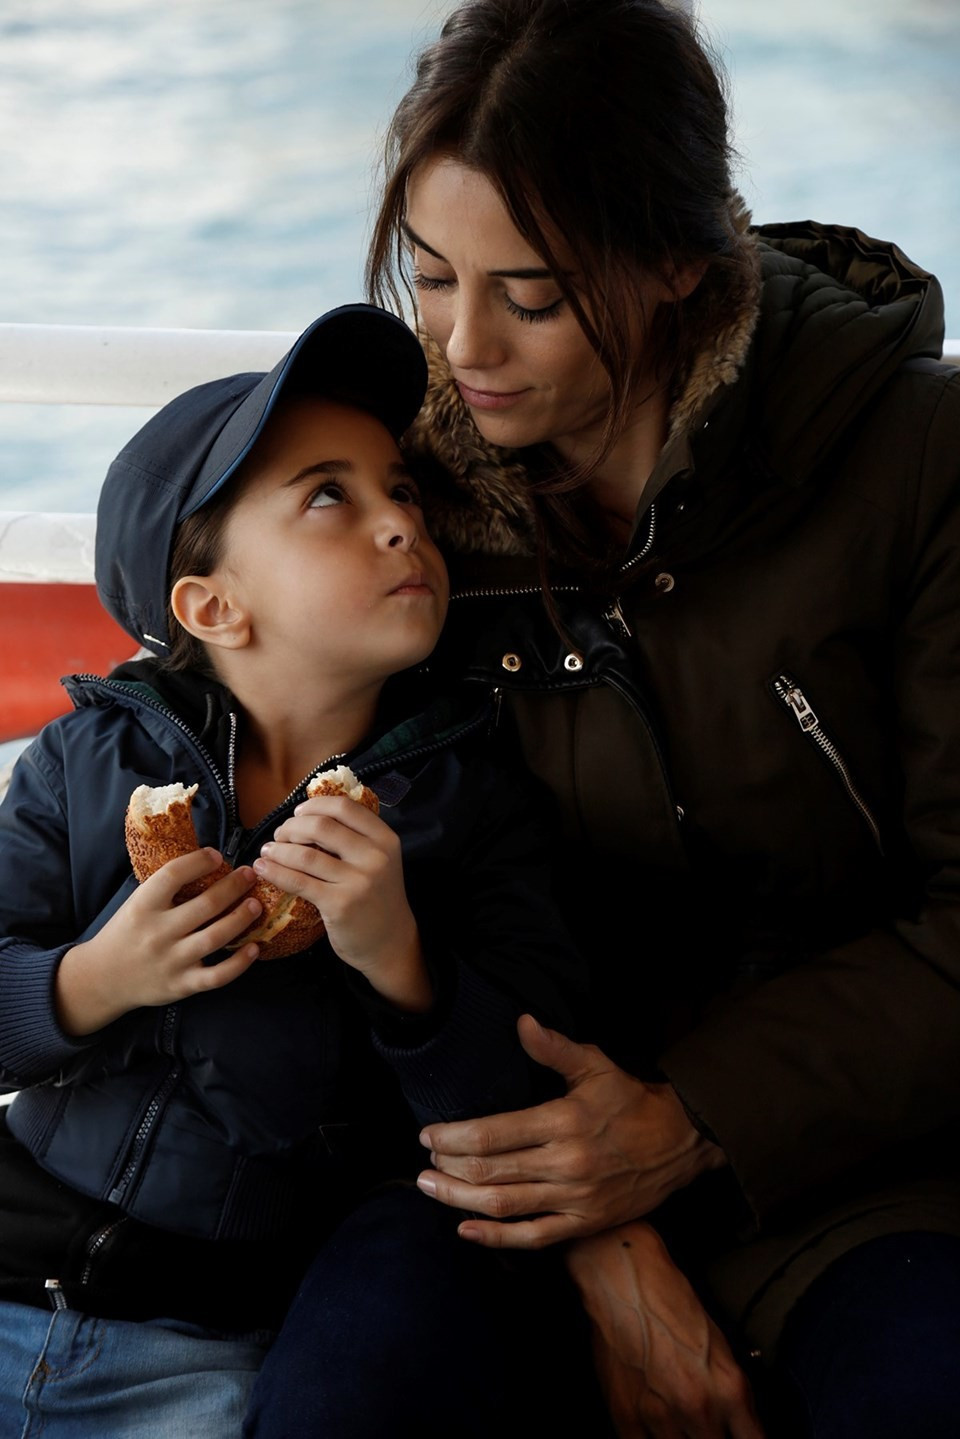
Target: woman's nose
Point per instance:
(473, 343)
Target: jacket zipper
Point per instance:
(96, 1242)
(58, 1300)
(152, 1113)
(226, 790)
(791, 695)
(613, 614)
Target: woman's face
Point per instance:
(516, 350)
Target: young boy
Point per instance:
(191, 1123)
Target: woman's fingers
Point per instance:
(536, 1233)
(495, 1133)
(505, 1201)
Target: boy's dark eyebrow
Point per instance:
(538, 272)
(340, 467)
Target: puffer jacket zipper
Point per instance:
(793, 698)
(97, 1243)
(225, 788)
(137, 1148)
(153, 1111)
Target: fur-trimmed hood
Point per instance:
(816, 324)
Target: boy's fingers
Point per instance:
(222, 907)
(215, 976)
(171, 877)
(225, 929)
(343, 811)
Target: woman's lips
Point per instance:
(489, 399)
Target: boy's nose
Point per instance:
(398, 530)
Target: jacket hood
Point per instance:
(831, 315)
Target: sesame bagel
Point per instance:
(159, 827)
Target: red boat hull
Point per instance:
(49, 630)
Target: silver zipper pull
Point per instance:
(613, 615)
(55, 1293)
(797, 701)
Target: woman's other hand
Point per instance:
(664, 1366)
(612, 1149)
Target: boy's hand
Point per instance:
(151, 951)
(345, 860)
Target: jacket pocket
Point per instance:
(793, 699)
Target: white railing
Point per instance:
(96, 365)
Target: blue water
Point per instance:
(211, 162)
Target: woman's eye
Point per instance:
(326, 495)
(429, 282)
(534, 316)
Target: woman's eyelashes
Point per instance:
(432, 283)
(534, 316)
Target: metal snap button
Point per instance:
(573, 662)
(511, 662)
(664, 583)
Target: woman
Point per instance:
(699, 485)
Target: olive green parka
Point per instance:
(753, 738)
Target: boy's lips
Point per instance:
(415, 583)
(489, 399)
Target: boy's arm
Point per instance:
(496, 947)
(38, 922)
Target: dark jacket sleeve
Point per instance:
(854, 1055)
(37, 919)
(496, 948)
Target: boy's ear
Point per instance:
(207, 610)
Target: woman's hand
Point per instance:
(612, 1149)
(347, 862)
(664, 1366)
(151, 951)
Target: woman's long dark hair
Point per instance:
(601, 121)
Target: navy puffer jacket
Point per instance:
(210, 1115)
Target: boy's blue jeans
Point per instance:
(65, 1375)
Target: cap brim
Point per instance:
(356, 351)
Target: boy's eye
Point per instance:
(406, 493)
(325, 495)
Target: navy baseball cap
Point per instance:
(190, 449)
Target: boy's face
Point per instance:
(327, 548)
